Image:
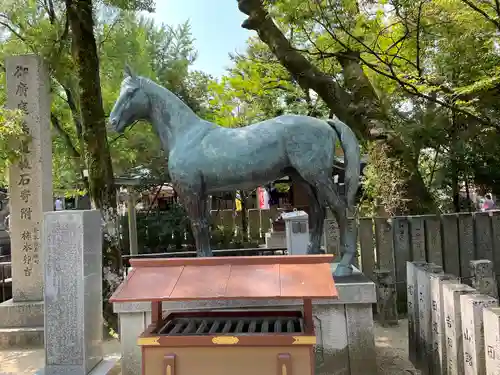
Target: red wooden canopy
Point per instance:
(255, 277)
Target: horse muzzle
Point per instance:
(114, 124)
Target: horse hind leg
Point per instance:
(328, 193)
(317, 215)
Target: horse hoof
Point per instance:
(343, 270)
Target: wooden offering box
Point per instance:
(234, 342)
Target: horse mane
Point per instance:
(158, 91)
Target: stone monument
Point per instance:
(73, 294)
(204, 158)
(30, 190)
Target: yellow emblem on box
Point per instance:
(225, 340)
(148, 341)
(304, 340)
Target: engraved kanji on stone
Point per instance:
(36, 260)
(25, 195)
(26, 213)
(27, 247)
(36, 234)
(450, 342)
(468, 358)
(23, 106)
(25, 146)
(27, 271)
(467, 336)
(21, 71)
(22, 89)
(26, 235)
(27, 259)
(24, 179)
(25, 127)
(24, 163)
(491, 352)
(448, 321)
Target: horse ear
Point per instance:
(129, 72)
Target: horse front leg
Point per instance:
(317, 214)
(317, 221)
(196, 206)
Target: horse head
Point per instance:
(132, 105)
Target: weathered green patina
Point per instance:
(204, 158)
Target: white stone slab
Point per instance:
(424, 337)
(453, 325)
(471, 306)
(438, 355)
(491, 322)
(412, 304)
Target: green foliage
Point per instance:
(170, 231)
(383, 179)
(163, 231)
(161, 53)
(434, 66)
(258, 87)
(12, 137)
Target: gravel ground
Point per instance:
(392, 350)
(391, 343)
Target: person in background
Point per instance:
(489, 203)
(59, 204)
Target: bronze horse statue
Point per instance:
(204, 158)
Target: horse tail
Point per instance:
(352, 159)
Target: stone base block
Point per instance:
(344, 326)
(21, 314)
(108, 366)
(275, 239)
(21, 338)
(21, 324)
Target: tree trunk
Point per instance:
(360, 107)
(96, 150)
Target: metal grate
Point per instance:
(224, 325)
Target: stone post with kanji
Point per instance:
(30, 178)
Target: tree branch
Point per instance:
(483, 13)
(67, 138)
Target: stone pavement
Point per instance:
(29, 361)
(391, 344)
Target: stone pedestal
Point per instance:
(30, 188)
(344, 327)
(73, 293)
(275, 239)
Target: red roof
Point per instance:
(255, 277)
